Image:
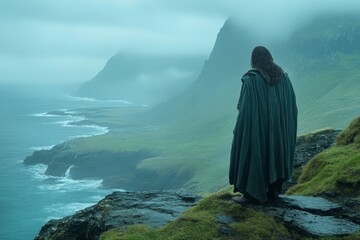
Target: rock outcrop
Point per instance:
(118, 209)
(302, 215)
(307, 146)
(309, 216)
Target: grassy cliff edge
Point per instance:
(336, 169)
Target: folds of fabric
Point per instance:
(264, 135)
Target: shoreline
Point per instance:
(77, 119)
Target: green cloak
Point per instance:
(264, 136)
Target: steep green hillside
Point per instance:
(189, 137)
(324, 62)
(194, 130)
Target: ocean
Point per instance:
(29, 198)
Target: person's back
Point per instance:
(263, 147)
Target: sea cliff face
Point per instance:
(119, 169)
(116, 169)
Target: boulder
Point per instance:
(155, 208)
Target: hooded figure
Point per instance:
(263, 147)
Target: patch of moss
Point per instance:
(200, 222)
(351, 134)
(336, 169)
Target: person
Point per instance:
(263, 146)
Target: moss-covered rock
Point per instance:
(335, 170)
(200, 222)
(350, 135)
(219, 217)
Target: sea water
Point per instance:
(29, 198)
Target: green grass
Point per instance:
(206, 156)
(336, 169)
(199, 223)
(350, 135)
(193, 132)
(327, 95)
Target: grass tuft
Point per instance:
(336, 169)
(200, 223)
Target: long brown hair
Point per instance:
(262, 60)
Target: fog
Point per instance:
(68, 42)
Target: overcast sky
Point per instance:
(68, 41)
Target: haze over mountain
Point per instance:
(185, 142)
(321, 59)
(143, 79)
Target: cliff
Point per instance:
(163, 214)
(184, 142)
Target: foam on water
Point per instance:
(61, 184)
(70, 119)
(88, 99)
(27, 190)
(42, 148)
(44, 114)
(38, 171)
(67, 184)
(97, 131)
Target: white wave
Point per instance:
(67, 173)
(98, 130)
(119, 101)
(70, 112)
(59, 210)
(44, 114)
(68, 121)
(61, 184)
(63, 123)
(89, 99)
(42, 148)
(38, 171)
(67, 184)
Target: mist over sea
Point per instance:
(28, 198)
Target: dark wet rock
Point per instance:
(312, 216)
(307, 146)
(319, 225)
(119, 209)
(225, 221)
(311, 204)
(225, 230)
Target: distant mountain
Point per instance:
(188, 138)
(143, 79)
(322, 59)
(194, 130)
(215, 92)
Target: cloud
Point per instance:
(43, 34)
